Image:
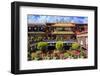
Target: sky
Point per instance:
(53, 19)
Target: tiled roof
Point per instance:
(63, 25)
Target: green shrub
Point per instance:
(59, 45)
(42, 45)
(66, 55)
(75, 46)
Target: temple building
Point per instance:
(52, 32)
(82, 36)
(63, 31)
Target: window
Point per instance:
(67, 29)
(59, 29)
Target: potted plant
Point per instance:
(59, 48)
(75, 46)
(42, 46)
(59, 45)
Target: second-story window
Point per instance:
(67, 29)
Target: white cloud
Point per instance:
(52, 19)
